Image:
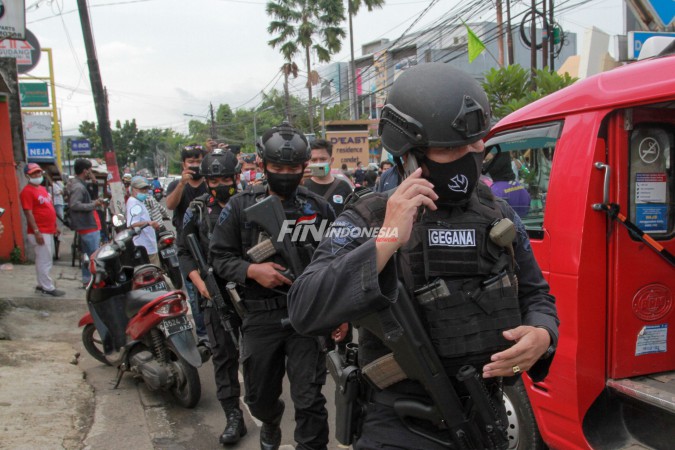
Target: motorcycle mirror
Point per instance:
(136, 210)
(118, 220)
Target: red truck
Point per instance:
(600, 156)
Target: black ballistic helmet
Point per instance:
(433, 105)
(284, 145)
(219, 163)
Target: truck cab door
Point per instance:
(641, 321)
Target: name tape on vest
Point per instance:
(452, 238)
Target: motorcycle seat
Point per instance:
(135, 300)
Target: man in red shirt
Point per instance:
(41, 218)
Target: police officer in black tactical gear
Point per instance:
(270, 347)
(480, 296)
(220, 169)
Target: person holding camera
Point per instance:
(179, 195)
(83, 216)
(322, 181)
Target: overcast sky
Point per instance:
(161, 59)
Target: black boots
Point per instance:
(235, 429)
(270, 433)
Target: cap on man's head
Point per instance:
(31, 168)
(139, 183)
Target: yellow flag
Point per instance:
(476, 47)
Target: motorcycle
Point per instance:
(158, 193)
(168, 255)
(135, 324)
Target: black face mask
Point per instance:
(196, 175)
(454, 182)
(223, 193)
(283, 184)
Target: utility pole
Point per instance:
(352, 67)
(101, 104)
(500, 34)
(533, 45)
(546, 35)
(509, 36)
(551, 38)
(213, 122)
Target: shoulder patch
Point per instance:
(224, 214)
(341, 234)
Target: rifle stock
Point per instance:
(269, 215)
(401, 330)
(206, 272)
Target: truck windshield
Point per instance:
(517, 168)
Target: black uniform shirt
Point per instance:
(227, 251)
(193, 223)
(342, 284)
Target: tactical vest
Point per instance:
(454, 245)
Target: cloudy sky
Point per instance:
(161, 59)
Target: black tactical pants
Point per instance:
(225, 358)
(268, 352)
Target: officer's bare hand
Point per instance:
(340, 332)
(267, 275)
(530, 344)
(203, 291)
(402, 206)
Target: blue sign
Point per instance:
(40, 151)
(652, 218)
(664, 9)
(81, 147)
(637, 38)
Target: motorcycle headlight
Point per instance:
(106, 252)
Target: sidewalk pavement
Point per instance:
(44, 400)
(50, 395)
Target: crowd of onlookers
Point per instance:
(82, 204)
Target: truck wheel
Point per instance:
(93, 344)
(522, 430)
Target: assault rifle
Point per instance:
(206, 272)
(401, 330)
(269, 215)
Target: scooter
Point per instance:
(138, 326)
(158, 193)
(168, 256)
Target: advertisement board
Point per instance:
(12, 19)
(38, 127)
(349, 147)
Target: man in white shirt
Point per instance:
(138, 216)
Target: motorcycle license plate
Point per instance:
(175, 325)
(168, 252)
(161, 286)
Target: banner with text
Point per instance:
(349, 147)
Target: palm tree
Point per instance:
(353, 7)
(309, 25)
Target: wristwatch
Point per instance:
(548, 353)
(551, 348)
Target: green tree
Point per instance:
(309, 25)
(508, 88)
(353, 7)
